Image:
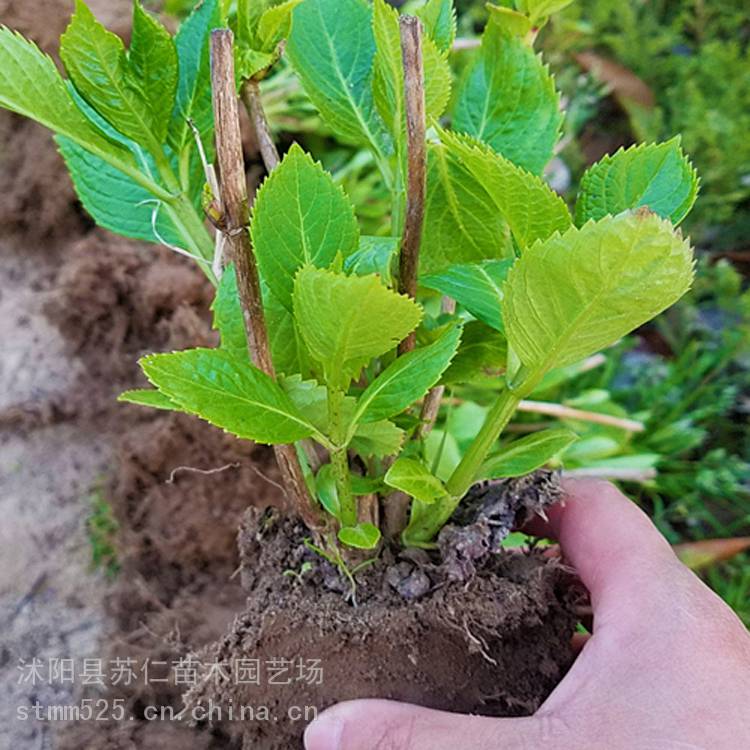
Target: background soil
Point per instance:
(77, 307)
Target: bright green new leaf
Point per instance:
(374, 255)
(332, 49)
(300, 217)
(153, 65)
(310, 398)
(250, 62)
(249, 13)
(32, 86)
(98, 65)
(657, 176)
(462, 223)
(439, 19)
(228, 393)
(509, 20)
(539, 10)
(193, 101)
(580, 292)
(325, 486)
(275, 24)
(407, 379)
(508, 100)
(149, 397)
(377, 439)
(481, 358)
(229, 320)
(531, 208)
(362, 536)
(528, 454)
(288, 351)
(346, 321)
(477, 286)
(413, 478)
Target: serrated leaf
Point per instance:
(377, 439)
(332, 49)
(528, 454)
(250, 62)
(580, 292)
(193, 100)
(249, 13)
(481, 358)
(539, 10)
(275, 24)
(229, 319)
(98, 66)
(508, 100)
(300, 217)
(288, 351)
(531, 208)
(374, 255)
(477, 286)
(462, 223)
(407, 379)
(439, 19)
(657, 176)
(510, 20)
(149, 397)
(413, 478)
(228, 393)
(32, 86)
(361, 536)
(153, 64)
(310, 398)
(346, 321)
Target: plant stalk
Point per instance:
(237, 218)
(416, 130)
(340, 461)
(250, 93)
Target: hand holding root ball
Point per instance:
(667, 667)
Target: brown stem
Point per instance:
(250, 93)
(236, 220)
(416, 127)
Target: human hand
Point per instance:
(667, 667)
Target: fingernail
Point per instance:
(324, 733)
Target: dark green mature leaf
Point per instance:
(193, 101)
(98, 65)
(332, 49)
(529, 206)
(477, 286)
(658, 176)
(361, 536)
(462, 223)
(325, 486)
(508, 100)
(481, 358)
(439, 19)
(300, 217)
(32, 86)
(228, 393)
(346, 321)
(580, 292)
(229, 320)
(149, 397)
(407, 379)
(374, 255)
(153, 64)
(527, 454)
(413, 478)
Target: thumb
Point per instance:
(386, 725)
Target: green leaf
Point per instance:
(288, 351)
(229, 394)
(658, 176)
(362, 536)
(250, 62)
(414, 479)
(539, 10)
(249, 13)
(325, 486)
(153, 64)
(462, 223)
(481, 358)
(377, 439)
(507, 99)
(531, 208)
(580, 292)
(275, 24)
(229, 320)
(527, 454)
(193, 101)
(310, 398)
(374, 255)
(478, 287)
(32, 87)
(439, 19)
(149, 397)
(346, 321)
(510, 20)
(300, 217)
(98, 65)
(407, 379)
(332, 49)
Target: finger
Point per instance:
(386, 725)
